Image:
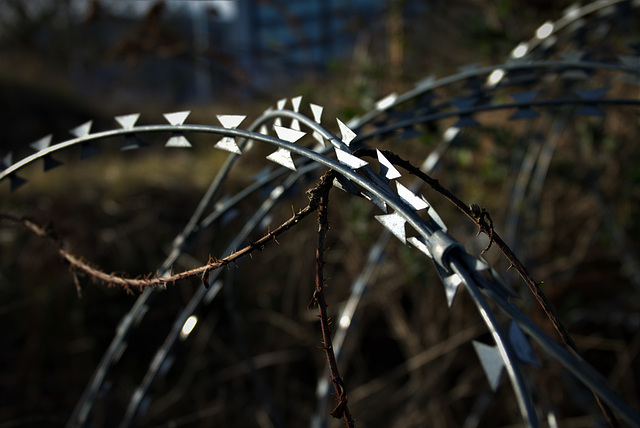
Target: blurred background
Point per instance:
(93, 58)
(409, 360)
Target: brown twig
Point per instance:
(482, 219)
(79, 266)
(321, 193)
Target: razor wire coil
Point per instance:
(394, 116)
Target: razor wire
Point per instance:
(454, 265)
(432, 240)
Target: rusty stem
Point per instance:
(321, 194)
(79, 266)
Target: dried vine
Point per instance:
(99, 276)
(321, 193)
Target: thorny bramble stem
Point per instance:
(322, 194)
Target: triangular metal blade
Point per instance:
(545, 30)
(632, 62)
(88, 151)
(82, 130)
(491, 362)
(451, 134)
(345, 185)
(281, 103)
(282, 157)
(479, 264)
(524, 112)
(466, 120)
(316, 110)
(436, 217)
(6, 162)
(128, 121)
(178, 140)
(495, 77)
(474, 263)
(263, 130)
(520, 52)
(418, 242)
(132, 142)
(378, 202)
(572, 12)
(50, 162)
(295, 102)
(16, 182)
(229, 144)
(521, 345)
(319, 138)
(288, 134)
(349, 160)
(386, 167)
(42, 143)
(416, 202)
(177, 118)
(426, 83)
(395, 224)
(386, 102)
(451, 283)
(347, 134)
(230, 121)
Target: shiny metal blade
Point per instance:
(82, 130)
(128, 121)
(491, 362)
(347, 134)
(386, 168)
(395, 224)
(177, 118)
(282, 157)
(42, 143)
(350, 160)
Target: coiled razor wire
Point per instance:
(400, 205)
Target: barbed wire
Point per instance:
(400, 205)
